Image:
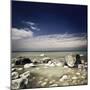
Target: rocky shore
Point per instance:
(47, 72)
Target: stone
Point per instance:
(54, 85)
(66, 66)
(77, 73)
(64, 77)
(43, 84)
(15, 75)
(42, 54)
(70, 61)
(74, 78)
(26, 66)
(25, 74)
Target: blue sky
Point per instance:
(44, 26)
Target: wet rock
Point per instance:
(46, 59)
(13, 69)
(77, 73)
(74, 77)
(19, 83)
(70, 61)
(25, 74)
(54, 85)
(52, 81)
(42, 54)
(78, 59)
(64, 77)
(22, 61)
(15, 75)
(66, 66)
(26, 66)
(13, 65)
(43, 84)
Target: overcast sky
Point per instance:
(48, 27)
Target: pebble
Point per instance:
(37, 68)
(43, 84)
(46, 79)
(74, 78)
(77, 73)
(15, 75)
(66, 67)
(64, 77)
(51, 81)
(20, 69)
(39, 82)
(54, 85)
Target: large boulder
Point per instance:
(46, 59)
(78, 60)
(22, 61)
(70, 60)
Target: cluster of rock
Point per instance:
(20, 77)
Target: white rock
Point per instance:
(25, 74)
(54, 85)
(13, 65)
(15, 75)
(26, 66)
(77, 73)
(70, 60)
(19, 69)
(42, 54)
(52, 65)
(66, 67)
(17, 82)
(64, 77)
(45, 58)
(43, 84)
(74, 78)
(60, 64)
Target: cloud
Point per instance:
(32, 25)
(21, 34)
(51, 42)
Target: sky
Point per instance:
(48, 27)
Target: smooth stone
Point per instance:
(54, 85)
(37, 68)
(15, 75)
(64, 77)
(25, 74)
(70, 60)
(39, 82)
(26, 66)
(19, 69)
(66, 67)
(74, 78)
(52, 81)
(77, 73)
(43, 84)
(46, 79)
(42, 54)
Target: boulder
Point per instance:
(26, 66)
(70, 61)
(15, 75)
(78, 59)
(22, 61)
(46, 59)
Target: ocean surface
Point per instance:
(49, 54)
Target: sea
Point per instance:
(53, 54)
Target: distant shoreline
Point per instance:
(51, 51)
